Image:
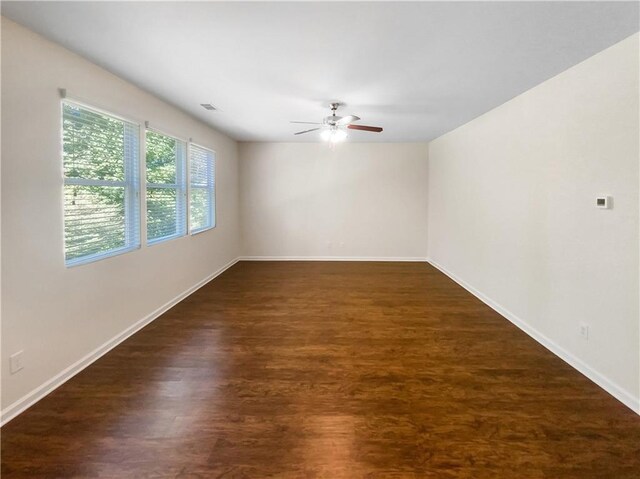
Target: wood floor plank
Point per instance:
(327, 370)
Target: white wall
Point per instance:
(56, 314)
(512, 213)
(358, 200)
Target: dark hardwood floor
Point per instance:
(327, 370)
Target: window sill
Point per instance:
(201, 230)
(164, 239)
(100, 256)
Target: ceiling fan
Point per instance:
(334, 127)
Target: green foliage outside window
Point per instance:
(101, 171)
(94, 153)
(165, 177)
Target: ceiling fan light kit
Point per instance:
(334, 127)
(334, 135)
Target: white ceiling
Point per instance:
(416, 69)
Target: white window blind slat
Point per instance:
(100, 164)
(202, 188)
(166, 187)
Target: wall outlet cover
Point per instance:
(15, 362)
(584, 331)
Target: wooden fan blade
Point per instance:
(375, 129)
(345, 120)
(307, 122)
(306, 131)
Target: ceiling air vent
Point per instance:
(208, 106)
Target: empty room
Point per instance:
(320, 240)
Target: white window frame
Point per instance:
(131, 184)
(181, 187)
(210, 188)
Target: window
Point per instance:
(101, 177)
(166, 187)
(202, 188)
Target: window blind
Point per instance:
(166, 187)
(202, 188)
(100, 163)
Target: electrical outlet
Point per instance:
(584, 331)
(15, 362)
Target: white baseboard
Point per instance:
(334, 258)
(63, 376)
(621, 394)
